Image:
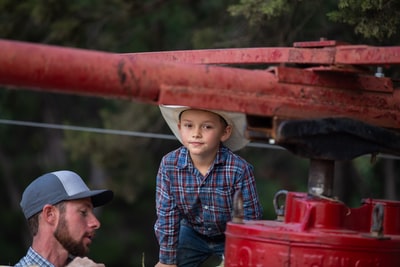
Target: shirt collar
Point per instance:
(184, 158)
(32, 254)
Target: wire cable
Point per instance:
(133, 133)
(109, 131)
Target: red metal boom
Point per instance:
(332, 85)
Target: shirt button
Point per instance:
(206, 207)
(209, 228)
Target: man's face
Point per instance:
(76, 226)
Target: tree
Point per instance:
(372, 19)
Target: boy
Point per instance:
(196, 184)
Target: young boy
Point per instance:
(196, 184)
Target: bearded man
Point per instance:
(59, 208)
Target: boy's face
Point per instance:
(202, 131)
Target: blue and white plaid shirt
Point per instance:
(205, 203)
(32, 258)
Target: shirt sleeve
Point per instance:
(251, 204)
(167, 224)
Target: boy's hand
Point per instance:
(84, 262)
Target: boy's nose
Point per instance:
(196, 132)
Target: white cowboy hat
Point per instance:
(235, 142)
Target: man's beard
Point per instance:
(62, 235)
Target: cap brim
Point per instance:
(236, 141)
(99, 197)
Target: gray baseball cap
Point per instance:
(54, 187)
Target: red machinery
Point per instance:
(324, 100)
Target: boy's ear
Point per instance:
(227, 133)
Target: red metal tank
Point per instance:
(318, 232)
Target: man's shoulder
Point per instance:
(31, 259)
(24, 263)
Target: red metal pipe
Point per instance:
(78, 71)
(67, 70)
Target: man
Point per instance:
(59, 209)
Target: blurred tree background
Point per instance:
(128, 164)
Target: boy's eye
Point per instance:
(187, 125)
(207, 126)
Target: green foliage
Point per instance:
(370, 18)
(282, 22)
(257, 11)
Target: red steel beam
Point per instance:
(243, 56)
(284, 93)
(316, 55)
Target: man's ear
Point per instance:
(226, 133)
(49, 213)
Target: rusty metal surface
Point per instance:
(317, 53)
(259, 55)
(368, 55)
(68, 70)
(289, 93)
(331, 77)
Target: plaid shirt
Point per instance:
(203, 202)
(32, 258)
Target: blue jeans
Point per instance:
(193, 249)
